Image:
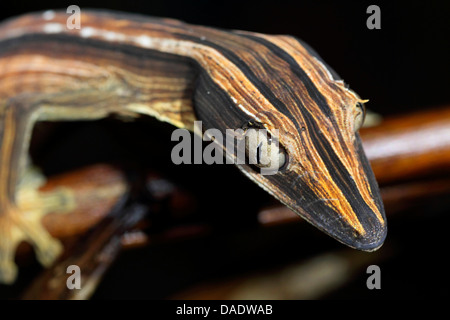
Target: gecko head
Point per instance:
(320, 172)
(317, 165)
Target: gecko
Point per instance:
(129, 64)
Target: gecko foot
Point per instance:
(17, 226)
(22, 222)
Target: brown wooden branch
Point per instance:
(93, 253)
(409, 146)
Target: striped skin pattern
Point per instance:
(129, 64)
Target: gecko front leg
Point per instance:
(21, 205)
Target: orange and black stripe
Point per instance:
(179, 73)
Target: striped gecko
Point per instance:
(128, 64)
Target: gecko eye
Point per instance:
(360, 115)
(263, 150)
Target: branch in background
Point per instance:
(409, 146)
(93, 253)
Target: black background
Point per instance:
(401, 68)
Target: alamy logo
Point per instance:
(74, 21)
(374, 280)
(251, 145)
(74, 280)
(374, 20)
